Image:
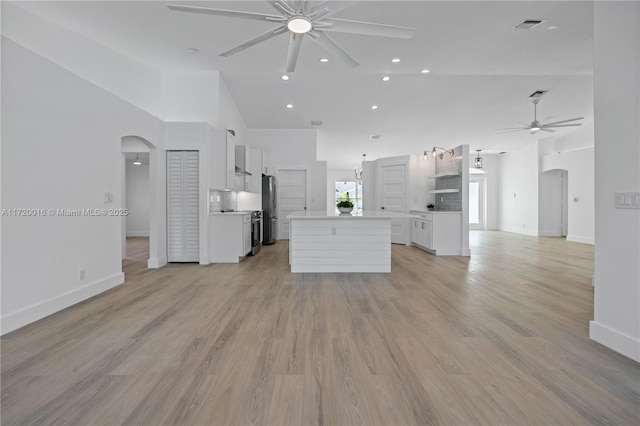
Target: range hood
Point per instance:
(241, 172)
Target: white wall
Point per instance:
(293, 148)
(616, 322)
(70, 131)
(133, 81)
(581, 208)
(190, 96)
(138, 200)
(518, 190)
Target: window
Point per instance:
(351, 191)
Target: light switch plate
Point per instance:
(627, 200)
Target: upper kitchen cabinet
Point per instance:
(256, 170)
(243, 168)
(230, 163)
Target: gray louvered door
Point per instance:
(183, 207)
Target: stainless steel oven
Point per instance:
(256, 220)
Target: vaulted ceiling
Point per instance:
(482, 70)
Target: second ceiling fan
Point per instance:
(304, 17)
(537, 126)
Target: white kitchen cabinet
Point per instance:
(422, 233)
(439, 233)
(256, 171)
(231, 159)
(243, 168)
(229, 237)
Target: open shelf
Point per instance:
(445, 174)
(444, 191)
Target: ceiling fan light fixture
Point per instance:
(299, 24)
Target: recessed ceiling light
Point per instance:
(395, 60)
(386, 78)
(425, 71)
(192, 50)
(374, 107)
(285, 77)
(289, 106)
(553, 27)
(324, 60)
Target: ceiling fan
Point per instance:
(304, 17)
(537, 126)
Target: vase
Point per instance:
(345, 209)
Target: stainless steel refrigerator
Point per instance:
(269, 211)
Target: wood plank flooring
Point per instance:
(498, 338)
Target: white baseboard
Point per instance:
(142, 233)
(619, 342)
(156, 262)
(579, 239)
(548, 234)
(15, 320)
(465, 252)
(533, 233)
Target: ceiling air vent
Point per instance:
(374, 137)
(316, 123)
(527, 24)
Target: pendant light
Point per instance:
(137, 161)
(478, 159)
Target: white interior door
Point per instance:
(476, 202)
(292, 196)
(392, 185)
(183, 206)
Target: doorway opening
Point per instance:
(477, 200)
(139, 237)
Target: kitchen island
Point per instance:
(323, 242)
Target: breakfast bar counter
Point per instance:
(351, 242)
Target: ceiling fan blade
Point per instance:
(547, 130)
(334, 7)
(295, 42)
(259, 39)
(223, 12)
(282, 7)
(545, 126)
(368, 28)
(514, 130)
(563, 121)
(330, 46)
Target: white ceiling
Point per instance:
(482, 69)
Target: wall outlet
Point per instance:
(82, 274)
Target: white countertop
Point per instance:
(310, 214)
(231, 213)
(434, 212)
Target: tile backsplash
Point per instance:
(450, 201)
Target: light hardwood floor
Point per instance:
(498, 338)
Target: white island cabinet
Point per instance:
(322, 242)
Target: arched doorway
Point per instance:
(146, 192)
